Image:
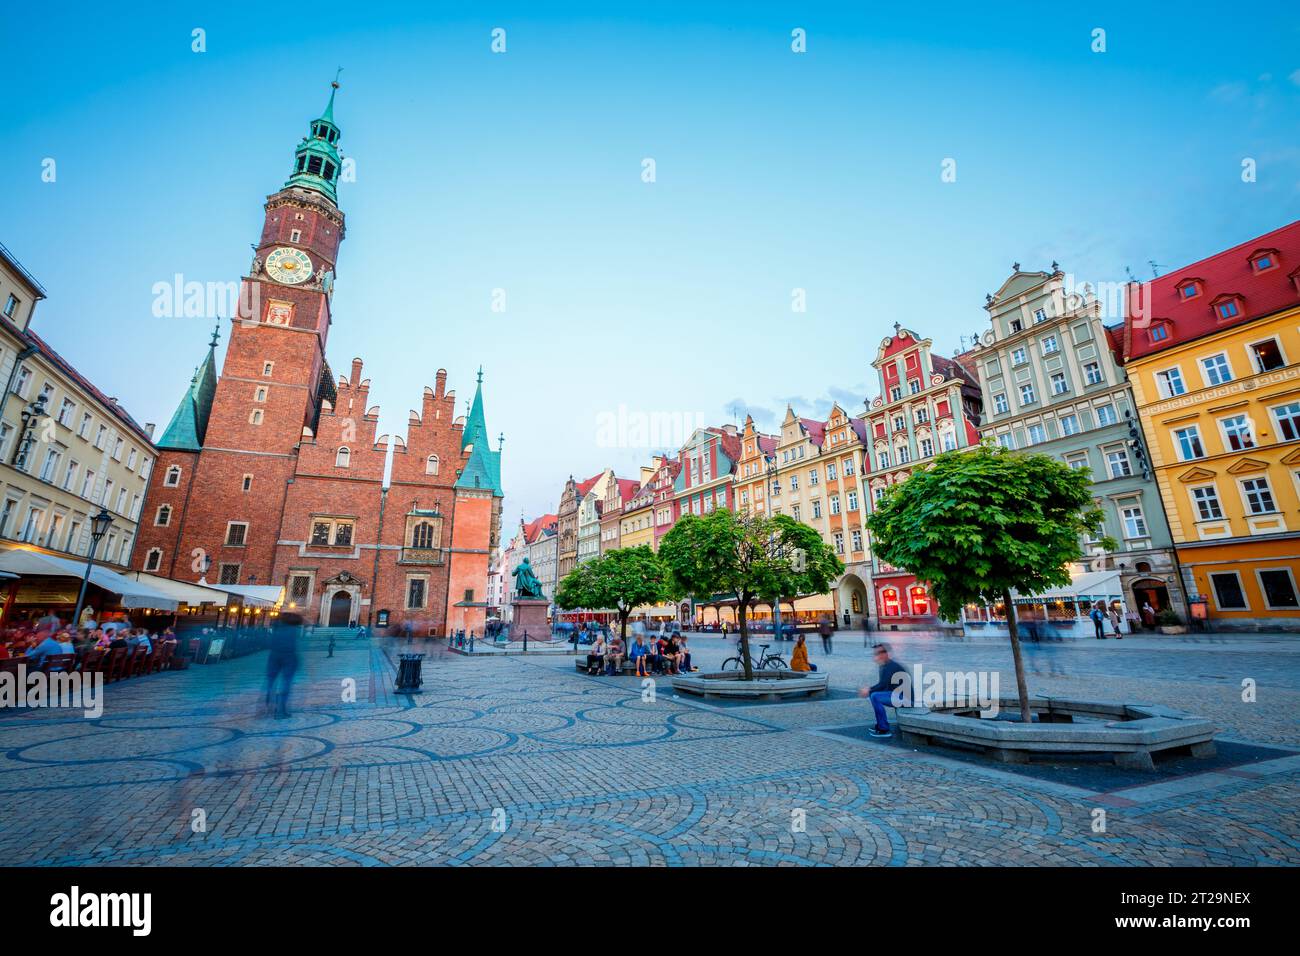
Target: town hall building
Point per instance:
(271, 473)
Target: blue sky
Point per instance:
(522, 171)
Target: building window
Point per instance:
(1258, 496)
(51, 466)
(848, 467)
(1106, 415)
(1288, 421)
(1027, 394)
(1040, 315)
(835, 504)
(853, 501)
(414, 593)
(431, 465)
(299, 589)
(173, 476)
(422, 535)
(1228, 593)
(1050, 345)
(153, 560)
(903, 454)
(1228, 310)
(88, 485)
(1158, 333)
(1206, 500)
(66, 411)
(1070, 425)
(1019, 356)
(1035, 435)
(343, 458)
(255, 417)
(268, 368)
(1170, 382)
(1135, 523)
(816, 508)
(1279, 588)
(1059, 385)
(856, 539)
(70, 475)
(882, 459)
(812, 477)
(130, 460)
(895, 393)
(1216, 369)
(1236, 433)
(229, 574)
(1007, 440)
(84, 429)
(1000, 404)
(1189, 443)
(889, 603)
(1092, 373)
(1263, 262)
(11, 305)
(247, 483)
(1267, 356)
(1077, 460)
(927, 448)
(101, 436)
(1117, 463)
(260, 394)
(1189, 290)
(236, 534)
(164, 516)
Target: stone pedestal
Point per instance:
(530, 616)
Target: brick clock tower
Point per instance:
(272, 473)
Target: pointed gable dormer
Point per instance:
(189, 424)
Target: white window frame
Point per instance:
(1213, 489)
(1214, 594)
(1205, 370)
(1263, 592)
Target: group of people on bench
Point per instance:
(666, 654)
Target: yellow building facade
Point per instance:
(1217, 388)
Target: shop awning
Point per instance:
(193, 595)
(25, 563)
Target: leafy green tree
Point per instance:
(619, 581)
(749, 556)
(980, 523)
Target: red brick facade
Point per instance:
(288, 487)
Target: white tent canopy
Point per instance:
(256, 595)
(191, 594)
(132, 593)
(1097, 585)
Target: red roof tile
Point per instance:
(1225, 273)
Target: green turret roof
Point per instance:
(316, 161)
(189, 424)
(483, 470)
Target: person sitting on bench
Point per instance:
(640, 655)
(614, 656)
(596, 659)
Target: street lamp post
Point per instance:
(770, 469)
(33, 415)
(98, 528)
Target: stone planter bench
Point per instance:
(771, 685)
(1129, 733)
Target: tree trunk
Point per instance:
(742, 615)
(622, 626)
(1021, 687)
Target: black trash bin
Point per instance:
(408, 673)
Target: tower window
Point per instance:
(295, 235)
(431, 465)
(255, 418)
(261, 394)
(164, 516)
(248, 483)
(173, 476)
(314, 165)
(344, 457)
(268, 368)
(302, 161)
(153, 560)
(329, 171)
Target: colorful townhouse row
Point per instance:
(1185, 406)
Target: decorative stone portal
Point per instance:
(340, 603)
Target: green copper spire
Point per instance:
(316, 160)
(189, 424)
(483, 470)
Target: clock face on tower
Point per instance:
(290, 266)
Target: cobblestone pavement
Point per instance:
(519, 760)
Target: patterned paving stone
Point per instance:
(520, 761)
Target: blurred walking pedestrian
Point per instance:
(282, 663)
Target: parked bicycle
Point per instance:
(766, 661)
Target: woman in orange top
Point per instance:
(799, 657)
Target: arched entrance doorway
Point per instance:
(1150, 591)
(851, 600)
(340, 609)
